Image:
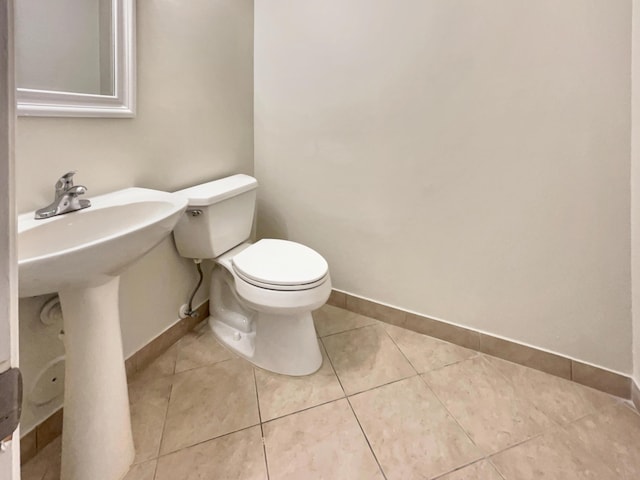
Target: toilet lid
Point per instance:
(280, 262)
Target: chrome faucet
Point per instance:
(66, 199)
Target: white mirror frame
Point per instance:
(46, 103)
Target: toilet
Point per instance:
(262, 294)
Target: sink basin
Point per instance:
(89, 246)
(80, 255)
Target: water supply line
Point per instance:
(190, 311)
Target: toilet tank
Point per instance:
(219, 216)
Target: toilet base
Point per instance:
(284, 344)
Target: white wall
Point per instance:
(9, 357)
(635, 190)
(194, 123)
(465, 160)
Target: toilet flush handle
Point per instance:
(195, 212)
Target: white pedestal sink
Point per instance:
(80, 255)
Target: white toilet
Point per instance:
(262, 294)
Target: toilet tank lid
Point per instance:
(213, 192)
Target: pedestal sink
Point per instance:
(80, 255)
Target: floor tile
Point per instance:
(238, 456)
(147, 423)
(554, 456)
(199, 348)
(162, 366)
(410, 431)
(324, 442)
(197, 405)
(330, 320)
(208, 402)
(280, 395)
(149, 400)
(46, 464)
(486, 405)
(366, 358)
(611, 435)
(155, 391)
(142, 471)
(482, 470)
(561, 400)
(426, 353)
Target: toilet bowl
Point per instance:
(261, 294)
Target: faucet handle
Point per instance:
(77, 190)
(65, 182)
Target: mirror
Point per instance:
(75, 58)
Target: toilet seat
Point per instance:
(280, 265)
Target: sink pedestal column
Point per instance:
(97, 443)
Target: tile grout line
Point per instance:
(347, 395)
(373, 324)
(173, 375)
(382, 323)
(620, 403)
(375, 457)
(515, 445)
(341, 398)
(515, 389)
(366, 439)
(467, 434)
(382, 384)
(461, 467)
(400, 350)
(190, 369)
(166, 413)
(212, 438)
(500, 474)
(588, 414)
(556, 424)
(304, 409)
(572, 362)
(264, 443)
(204, 441)
(333, 368)
(508, 447)
(207, 365)
(484, 457)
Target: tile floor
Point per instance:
(387, 403)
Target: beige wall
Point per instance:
(635, 190)
(465, 160)
(194, 123)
